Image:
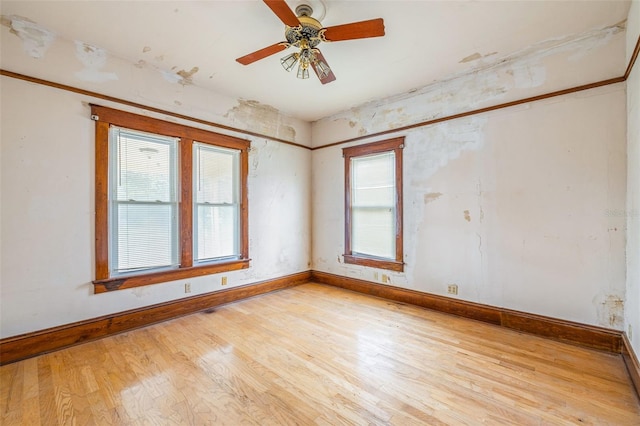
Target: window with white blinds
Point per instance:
(373, 208)
(216, 197)
(373, 204)
(170, 201)
(143, 201)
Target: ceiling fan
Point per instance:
(304, 32)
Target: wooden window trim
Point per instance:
(396, 145)
(106, 117)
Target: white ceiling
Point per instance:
(425, 41)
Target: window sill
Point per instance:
(373, 262)
(121, 283)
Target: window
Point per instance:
(143, 202)
(171, 201)
(216, 204)
(373, 204)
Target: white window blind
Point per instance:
(216, 203)
(143, 201)
(373, 208)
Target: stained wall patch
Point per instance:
(35, 39)
(94, 59)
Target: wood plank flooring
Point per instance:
(315, 354)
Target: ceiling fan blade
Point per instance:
(362, 29)
(263, 53)
(283, 11)
(329, 77)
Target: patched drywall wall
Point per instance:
(545, 67)
(265, 119)
(47, 176)
(35, 39)
(47, 214)
(93, 58)
(518, 207)
(632, 212)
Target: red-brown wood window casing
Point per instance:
(106, 117)
(396, 145)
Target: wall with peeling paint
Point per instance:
(47, 176)
(47, 214)
(521, 207)
(632, 313)
(37, 52)
(548, 66)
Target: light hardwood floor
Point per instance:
(315, 354)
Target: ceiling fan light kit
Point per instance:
(306, 33)
(290, 61)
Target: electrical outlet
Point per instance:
(375, 276)
(224, 281)
(385, 278)
(187, 287)
(630, 333)
(452, 289)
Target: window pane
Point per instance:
(145, 236)
(374, 232)
(373, 205)
(215, 177)
(216, 236)
(216, 202)
(374, 180)
(143, 190)
(144, 166)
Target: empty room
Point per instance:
(320, 212)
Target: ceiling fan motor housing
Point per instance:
(309, 29)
